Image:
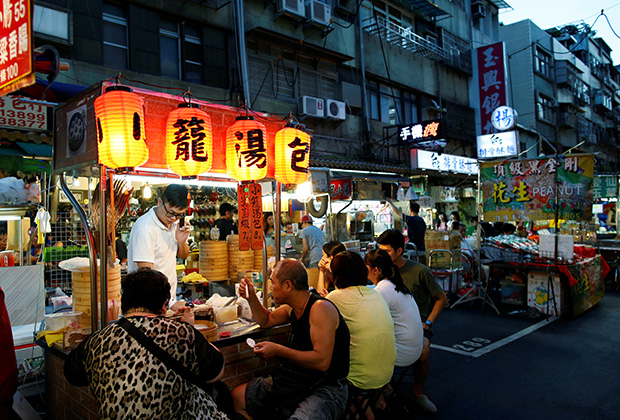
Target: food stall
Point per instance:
(222, 153)
(549, 271)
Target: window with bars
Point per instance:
(268, 78)
(115, 36)
(542, 62)
(545, 108)
(392, 106)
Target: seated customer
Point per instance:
(310, 381)
(126, 379)
(373, 350)
(326, 280)
(405, 313)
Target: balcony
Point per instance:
(406, 39)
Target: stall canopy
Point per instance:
(29, 158)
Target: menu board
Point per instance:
(244, 217)
(256, 216)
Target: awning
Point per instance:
(362, 166)
(500, 4)
(38, 150)
(425, 7)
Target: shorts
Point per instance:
(428, 334)
(326, 402)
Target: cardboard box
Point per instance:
(449, 241)
(565, 246)
(538, 293)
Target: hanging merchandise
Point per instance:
(120, 128)
(292, 155)
(189, 140)
(213, 197)
(246, 152)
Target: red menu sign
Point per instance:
(16, 65)
(244, 217)
(256, 216)
(340, 189)
(491, 83)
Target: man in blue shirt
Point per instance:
(313, 242)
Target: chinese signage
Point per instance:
(16, 66)
(504, 118)
(491, 82)
(498, 145)
(15, 114)
(422, 159)
(424, 131)
(525, 189)
(255, 198)
(243, 191)
(605, 186)
(340, 189)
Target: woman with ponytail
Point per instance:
(405, 314)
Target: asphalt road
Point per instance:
(489, 366)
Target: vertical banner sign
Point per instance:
(16, 65)
(244, 217)
(256, 216)
(525, 189)
(491, 82)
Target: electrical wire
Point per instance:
(359, 5)
(609, 23)
(262, 83)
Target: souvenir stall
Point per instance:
(129, 137)
(605, 210)
(552, 270)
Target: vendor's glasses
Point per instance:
(171, 213)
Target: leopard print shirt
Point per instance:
(129, 382)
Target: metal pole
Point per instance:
(92, 255)
(243, 62)
(103, 246)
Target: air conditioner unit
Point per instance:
(318, 12)
(478, 10)
(335, 110)
(292, 8)
(311, 106)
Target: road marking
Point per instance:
(500, 343)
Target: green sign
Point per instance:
(605, 186)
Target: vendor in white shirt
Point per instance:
(157, 240)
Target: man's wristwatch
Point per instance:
(429, 323)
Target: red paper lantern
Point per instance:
(246, 150)
(189, 141)
(120, 128)
(292, 156)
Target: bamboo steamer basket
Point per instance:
(213, 260)
(238, 261)
(258, 257)
(207, 328)
(80, 287)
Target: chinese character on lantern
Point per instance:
(292, 156)
(246, 152)
(189, 140)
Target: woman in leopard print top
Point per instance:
(127, 380)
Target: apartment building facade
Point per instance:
(564, 86)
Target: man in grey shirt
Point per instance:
(313, 241)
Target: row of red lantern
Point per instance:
(189, 141)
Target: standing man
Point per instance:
(157, 240)
(416, 226)
(225, 223)
(313, 241)
(431, 300)
(317, 355)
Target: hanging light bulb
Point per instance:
(92, 185)
(147, 193)
(76, 182)
(304, 192)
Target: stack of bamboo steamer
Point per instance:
(238, 261)
(80, 286)
(213, 263)
(258, 257)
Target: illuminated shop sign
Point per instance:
(422, 159)
(424, 131)
(497, 145)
